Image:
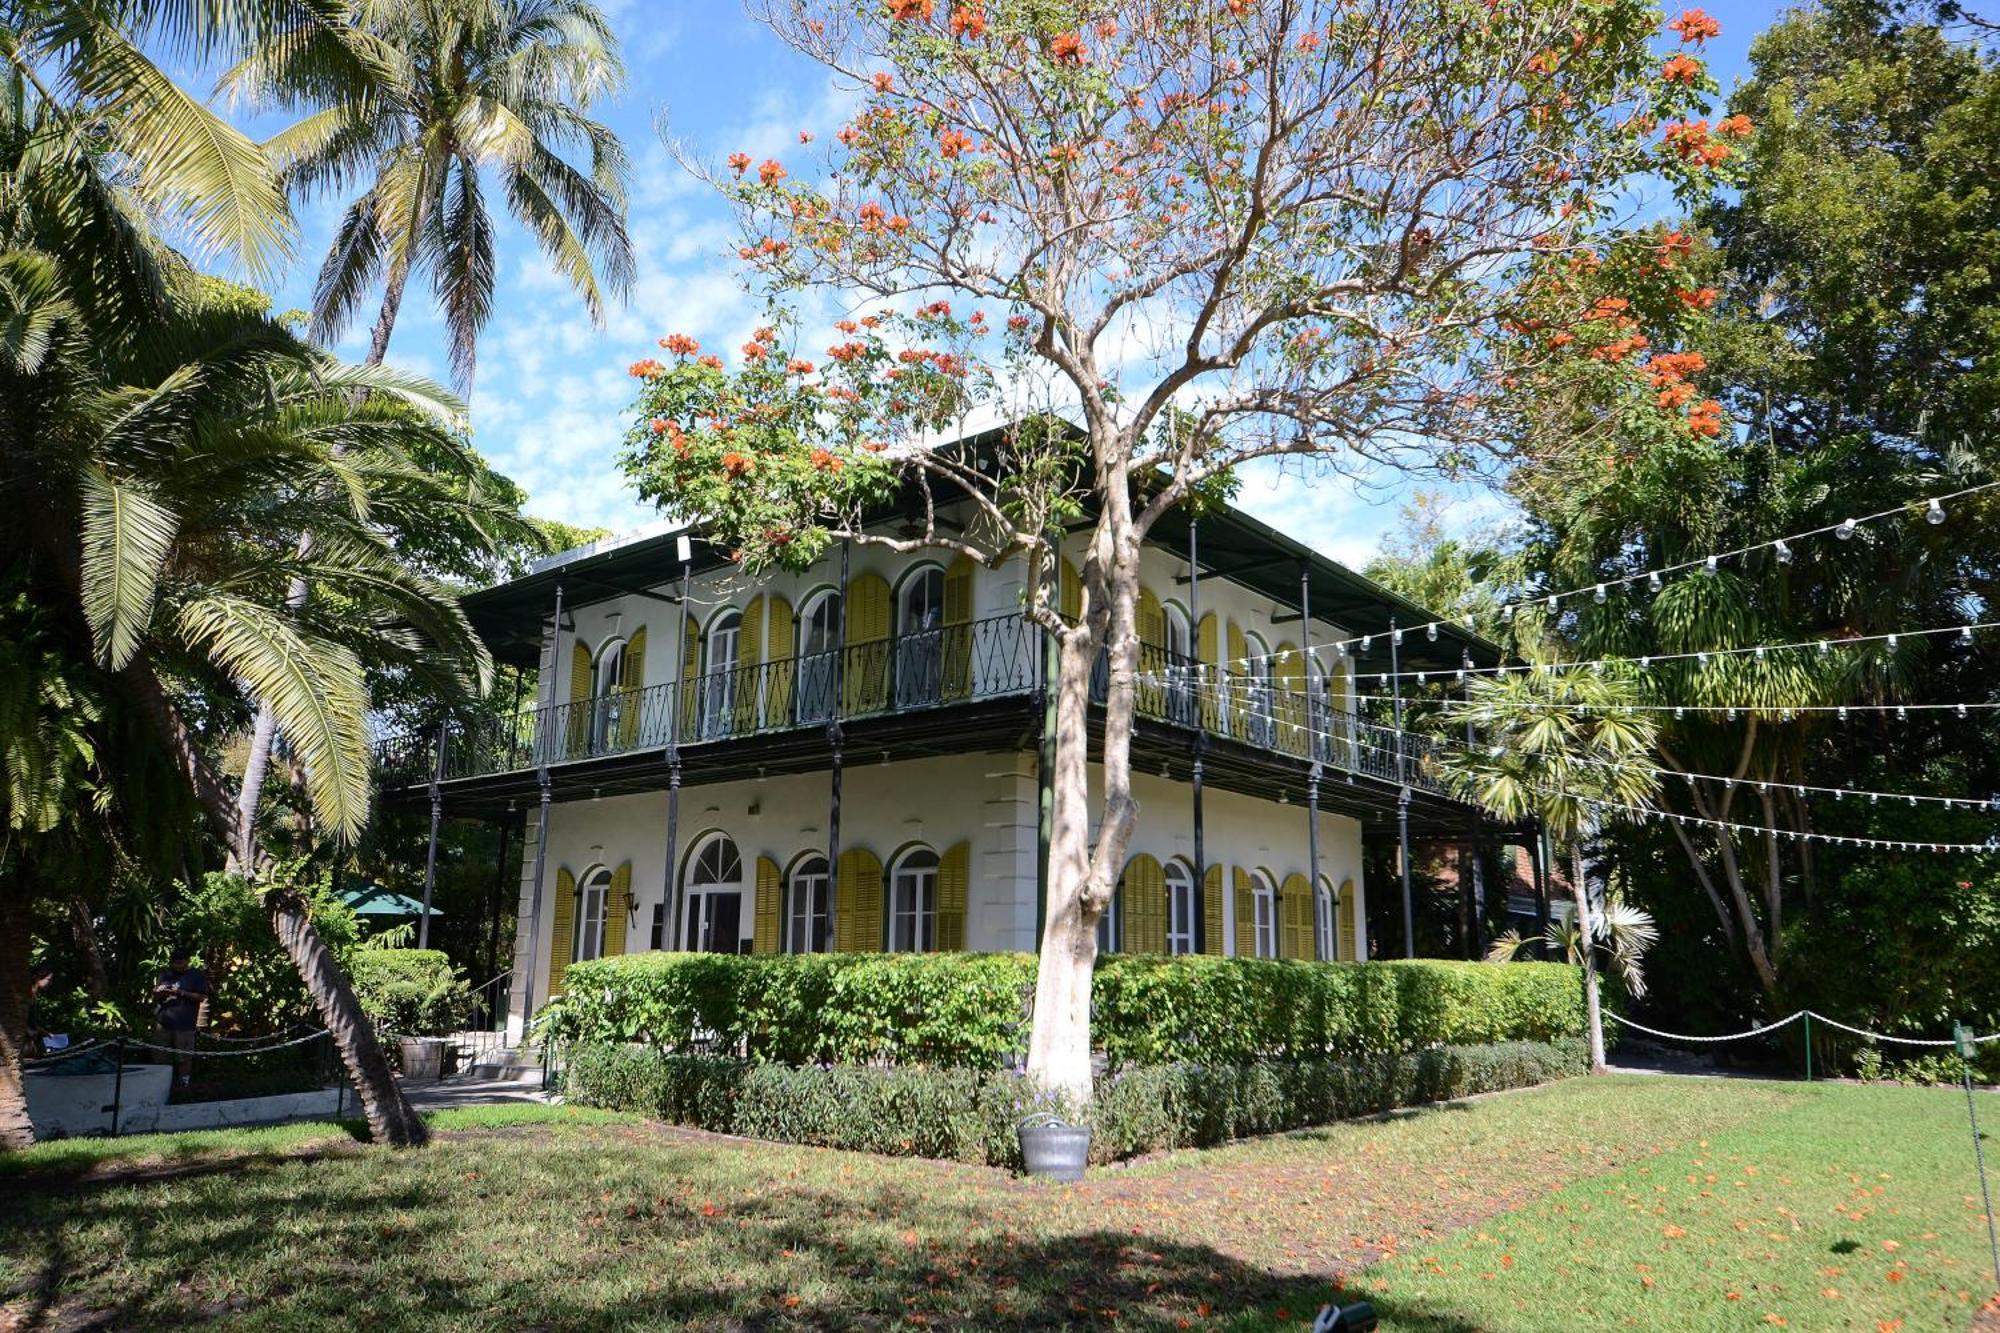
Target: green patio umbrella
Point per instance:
(376, 900)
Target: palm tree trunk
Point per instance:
(257, 766)
(390, 1119)
(1587, 933)
(16, 1131)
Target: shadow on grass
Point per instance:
(583, 1232)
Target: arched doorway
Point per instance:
(920, 637)
(819, 656)
(712, 893)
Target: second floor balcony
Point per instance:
(938, 668)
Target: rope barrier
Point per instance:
(314, 1035)
(1787, 1021)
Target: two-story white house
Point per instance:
(851, 758)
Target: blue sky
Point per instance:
(550, 399)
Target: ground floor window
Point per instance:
(806, 907)
(1323, 937)
(714, 898)
(592, 896)
(1182, 908)
(913, 902)
(1264, 903)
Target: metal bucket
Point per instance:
(1053, 1149)
(423, 1057)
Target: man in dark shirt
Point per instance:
(180, 991)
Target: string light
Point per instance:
(1845, 530)
(1782, 551)
(1934, 515)
(1599, 595)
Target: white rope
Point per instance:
(314, 1035)
(1682, 1036)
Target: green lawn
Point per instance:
(1626, 1202)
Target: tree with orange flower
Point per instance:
(1331, 233)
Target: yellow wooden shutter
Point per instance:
(1143, 894)
(632, 680)
(1069, 590)
(764, 937)
(957, 645)
(1236, 673)
(860, 887)
(562, 929)
(865, 672)
(578, 727)
(1211, 685)
(1335, 722)
(1246, 915)
(1152, 654)
(749, 657)
(954, 886)
(617, 909)
(1347, 949)
(1296, 935)
(1211, 911)
(691, 681)
(1288, 698)
(780, 651)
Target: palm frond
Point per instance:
(317, 689)
(127, 534)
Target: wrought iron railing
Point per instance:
(934, 668)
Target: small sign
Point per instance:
(1962, 1034)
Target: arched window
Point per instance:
(819, 652)
(593, 898)
(1183, 907)
(606, 684)
(913, 901)
(1323, 936)
(806, 919)
(920, 637)
(1180, 665)
(718, 672)
(1257, 678)
(1264, 903)
(713, 897)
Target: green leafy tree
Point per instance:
(1556, 747)
(1210, 234)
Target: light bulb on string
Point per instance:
(1965, 637)
(1902, 714)
(1934, 515)
(1708, 566)
(1365, 641)
(1506, 615)
(1822, 647)
(1845, 530)
(1783, 552)
(1961, 710)
(1396, 638)
(1599, 595)
(1431, 632)
(1653, 581)
(1552, 603)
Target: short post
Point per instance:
(1808, 1014)
(119, 1081)
(1961, 1035)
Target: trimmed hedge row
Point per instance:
(970, 1116)
(971, 1010)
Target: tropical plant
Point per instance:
(444, 91)
(1555, 746)
(1623, 935)
(1213, 234)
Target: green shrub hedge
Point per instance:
(971, 1010)
(970, 1116)
(410, 992)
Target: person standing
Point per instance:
(180, 990)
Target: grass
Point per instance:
(1628, 1202)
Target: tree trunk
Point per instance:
(15, 1129)
(95, 979)
(1586, 930)
(243, 846)
(390, 1119)
(1082, 877)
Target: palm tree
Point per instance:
(444, 90)
(1624, 935)
(157, 483)
(1553, 746)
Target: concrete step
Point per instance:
(504, 1067)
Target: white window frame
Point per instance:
(809, 879)
(593, 904)
(1264, 912)
(697, 892)
(816, 672)
(605, 687)
(913, 886)
(1326, 932)
(719, 688)
(1183, 907)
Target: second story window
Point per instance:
(1257, 683)
(606, 683)
(718, 678)
(819, 648)
(920, 637)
